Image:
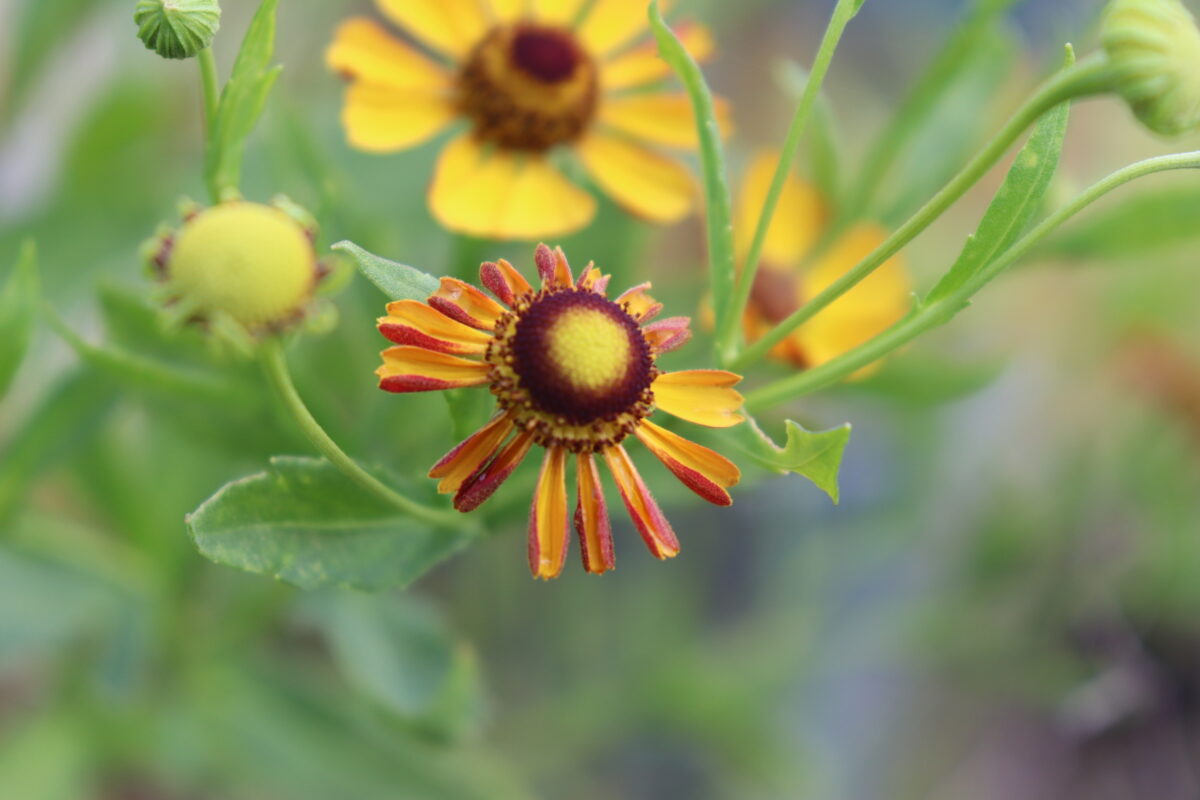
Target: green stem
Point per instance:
(1090, 76)
(931, 315)
(211, 85)
(727, 334)
(276, 368)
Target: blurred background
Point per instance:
(1004, 604)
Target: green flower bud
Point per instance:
(177, 28)
(1154, 48)
(249, 262)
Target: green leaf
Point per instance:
(304, 522)
(46, 758)
(1137, 225)
(18, 301)
(1015, 204)
(397, 281)
(242, 101)
(815, 455)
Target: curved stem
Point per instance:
(275, 366)
(1090, 76)
(932, 315)
(731, 321)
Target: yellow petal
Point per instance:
(548, 518)
(383, 119)
(651, 523)
(507, 10)
(556, 12)
(866, 310)
(451, 26)
(612, 23)
(665, 119)
(362, 49)
(643, 182)
(465, 460)
(415, 369)
(643, 64)
(502, 195)
(704, 471)
(702, 396)
(591, 518)
(417, 324)
(799, 218)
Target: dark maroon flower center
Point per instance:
(547, 54)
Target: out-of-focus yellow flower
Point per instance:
(531, 78)
(574, 373)
(787, 277)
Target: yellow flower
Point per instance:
(531, 78)
(787, 277)
(574, 373)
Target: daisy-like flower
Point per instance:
(532, 79)
(788, 277)
(574, 373)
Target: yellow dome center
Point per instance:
(252, 262)
(589, 348)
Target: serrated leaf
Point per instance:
(305, 523)
(397, 281)
(18, 302)
(817, 455)
(242, 101)
(1015, 204)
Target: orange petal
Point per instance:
(451, 26)
(643, 182)
(639, 305)
(643, 64)
(362, 49)
(548, 517)
(464, 460)
(650, 522)
(411, 322)
(591, 518)
(461, 301)
(552, 266)
(660, 118)
(705, 472)
(702, 396)
(480, 486)
(668, 334)
(504, 281)
(415, 369)
(592, 279)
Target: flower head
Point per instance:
(177, 28)
(792, 272)
(530, 79)
(1156, 47)
(573, 372)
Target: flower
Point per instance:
(252, 263)
(792, 271)
(532, 79)
(177, 28)
(1155, 45)
(574, 373)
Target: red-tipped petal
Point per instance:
(591, 518)
(704, 471)
(469, 455)
(413, 323)
(415, 369)
(461, 301)
(548, 517)
(651, 523)
(480, 486)
(503, 280)
(668, 334)
(639, 305)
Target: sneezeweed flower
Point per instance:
(574, 373)
(1155, 47)
(789, 275)
(533, 80)
(248, 264)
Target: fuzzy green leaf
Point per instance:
(242, 101)
(18, 300)
(397, 281)
(817, 455)
(1016, 203)
(305, 523)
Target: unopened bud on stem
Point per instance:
(177, 28)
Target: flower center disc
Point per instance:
(528, 87)
(581, 357)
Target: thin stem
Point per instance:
(931, 315)
(211, 86)
(1090, 76)
(731, 321)
(276, 368)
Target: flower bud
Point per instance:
(1154, 49)
(252, 263)
(177, 28)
